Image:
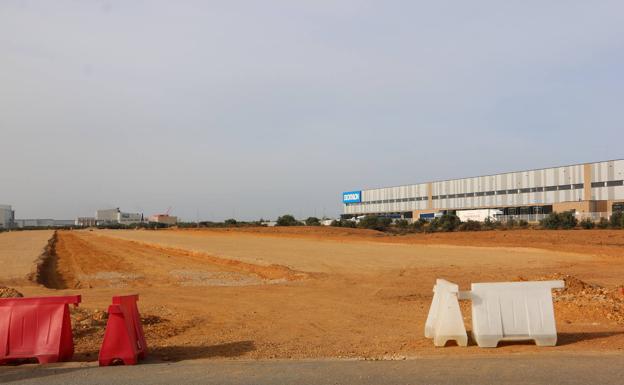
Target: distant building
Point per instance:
(164, 218)
(43, 222)
(7, 217)
(117, 216)
(85, 221)
(589, 190)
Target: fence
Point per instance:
(538, 217)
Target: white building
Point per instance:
(7, 217)
(43, 222)
(584, 188)
(117, 216)
(164, 218)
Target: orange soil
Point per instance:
(230, 307)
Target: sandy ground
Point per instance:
(323, 293)
(18, 251)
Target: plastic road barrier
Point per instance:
(36, 327)
(445, 322)
(124, 340)
(513, 311)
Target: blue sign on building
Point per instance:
(352, 197)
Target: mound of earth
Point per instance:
(583, 295)
(9, 292)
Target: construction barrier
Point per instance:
(445, 322)
(36, 327)
(124, 340)
(513, 311)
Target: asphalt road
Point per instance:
(548, 369)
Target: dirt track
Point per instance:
(295, 295)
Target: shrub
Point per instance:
(470, 226)
(523, 224)
(375, 223)
(419, 225)
(230, 222)
(490, 224)
(617, 220)
(446, 222)
(565, 220)
(510, 223)
(402, 224)
(603, 223)
(568, 220)
(287, 220)
(587, 224)
(343, 223)
(312, 221)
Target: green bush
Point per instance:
(287, 220)
(312, 221)
(568, 220)
(490, 224)
(603, 223)
(565, 220)
(446, 222)
(470, 226)
(523, 224)
(230, 222)
(343, 223)
(617, 220)
(373, 222)
(401, 224)
(587, 224)
(419, 225)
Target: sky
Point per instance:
(251, 109)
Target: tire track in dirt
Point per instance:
(82, 259)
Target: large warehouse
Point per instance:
(596, 188)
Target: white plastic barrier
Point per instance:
(513, 311)
(445, 322)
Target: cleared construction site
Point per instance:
(303, 292)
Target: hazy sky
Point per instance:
(252, 109)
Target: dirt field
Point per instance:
(312, 293)
(18, 252)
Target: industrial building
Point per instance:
(590, 190)
(164, 219)
(7, 217)
(85, 221)
(43, 222)
(115, 215)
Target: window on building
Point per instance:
(515, 191)
(490, 192)
(598, 184)
(501, 192)
(578, 186)
(525, 190)
(425, 198)
(480, 194)
(565, 187)
(537, 189)
(451, 196)
(468, 195)
(434, 197)
(550, 188)
(612, 183)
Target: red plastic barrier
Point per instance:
(124, 340)
(36, 327)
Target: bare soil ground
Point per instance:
(18, 252)
(312, 293)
